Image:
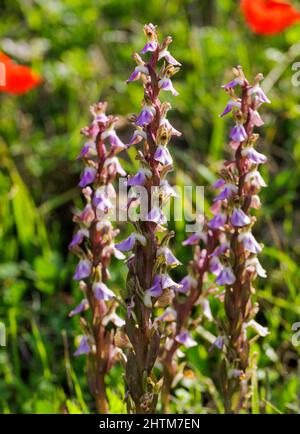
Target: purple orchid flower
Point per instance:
(163, 156)
(170, 258)
(138, 70)
(102, 202)
(218, 221)
(249, 242)
(215, 266)
(88, 150)
(117, 253)
(102, 292)
(261, 330)
(166, 190)
(78, 238)
(255, 118)
(168, 282)
(156, 289)
(130, 307)
(185, 339)
(259, 93)
(113, 318)
(157, 216)
(146, 116)
(254, 156)
(232, 103)
(228, 191)
(194, 239)
(218, 184)
(233, 83)
(255, 178)
(161, 282)
(88, 176)
(253, 263)
(187, 283)
(169, 58)
(140, 178)
(87, 215)
(114, 140)
(137, 137)
(150, 46)
(83, 306)
(129, 243)
(220, 250)
(219, 343)
(115, 161)
(98, 112)
(166, 84)
(84, 347)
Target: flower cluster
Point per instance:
(229, 247)
(149, 284)
(93, 243)
(234, 208)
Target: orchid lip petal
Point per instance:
(239, 218)
(238, 133)
(166, 84)
(249, 242)
(218, 184)
(254, 156)
(102, 292)
(88, 176)
(84, 347)
(150, 46)
(146, 116)
(163, 156)
(193, 239)
(218, 221)
(129, 243)
(156, 216)
(187, 283)
(226, 277)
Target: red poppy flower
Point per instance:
(269, 17)
(17, 79)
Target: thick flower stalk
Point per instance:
(234, 208)
(149, 284)
(93, 243)
(193, 291)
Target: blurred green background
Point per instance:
(82, 48)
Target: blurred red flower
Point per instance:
(269, 17)
(17, 79)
